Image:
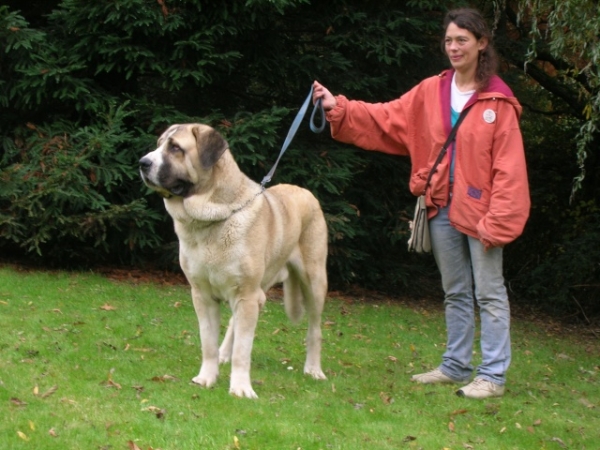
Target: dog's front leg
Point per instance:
(245, 318)
(209, 315)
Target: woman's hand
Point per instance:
(321, 92)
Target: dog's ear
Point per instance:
(211, 145)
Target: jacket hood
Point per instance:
(497, 88)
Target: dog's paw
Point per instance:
(205, 379)
(243, 391)
(315, 372)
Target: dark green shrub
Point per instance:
(86, 87)
(97, 82)
(67, 191)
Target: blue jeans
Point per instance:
(469, 273)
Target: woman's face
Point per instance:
(462, 48)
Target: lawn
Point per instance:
(87, 362)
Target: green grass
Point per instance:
(90, 363)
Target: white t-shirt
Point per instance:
(458, 100)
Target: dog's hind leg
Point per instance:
(209, 315)
(227, 345)
(314, 302)
(293, 301)
(305, 292)
(312, 279)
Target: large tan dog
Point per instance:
(236, 240)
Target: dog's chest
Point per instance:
(209, 251)
(214, 270)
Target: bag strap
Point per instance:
(451, 137)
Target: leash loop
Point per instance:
(318, 107)
(294, 128)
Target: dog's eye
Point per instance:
(174, 148)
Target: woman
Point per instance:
(478, 198)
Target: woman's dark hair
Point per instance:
(472, 20)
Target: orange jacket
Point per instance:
(490, 194)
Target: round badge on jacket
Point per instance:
(489, 116)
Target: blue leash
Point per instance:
(294, 128)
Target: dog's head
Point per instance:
(183, 160)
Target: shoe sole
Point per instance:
(460, 393)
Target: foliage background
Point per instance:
(86, 87)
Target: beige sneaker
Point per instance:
(480, 388)
(436, 376)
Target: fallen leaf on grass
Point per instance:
(236, 442)
(112, 384)
(585, 402)
(52, 432)
(139, 390)
(17, 402)
(49, 392)
(133, 446)
(22, 435)
(109, 381)
(31, 425)
(143, 349)
(165, 378)
(560, 442)
(387, 399)
(409, 438)
(158, 412)
(451, 427)
(345, 363)
(458, 412)
(107, 307)
(537, 423)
